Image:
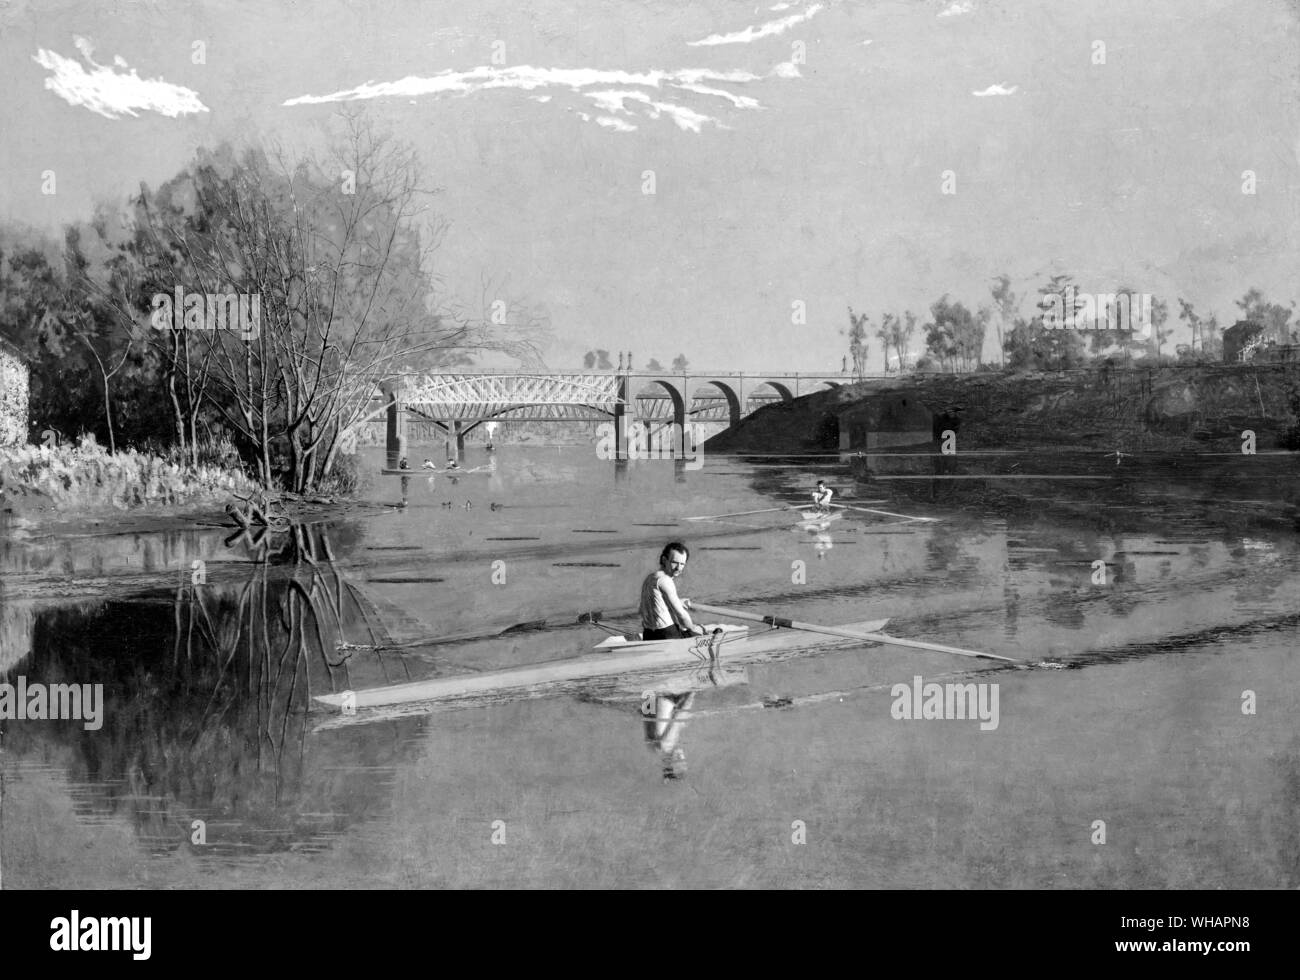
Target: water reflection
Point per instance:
(206, 690)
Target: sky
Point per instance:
(798, 151)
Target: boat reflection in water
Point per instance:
(666, 709)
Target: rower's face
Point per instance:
(673, 563)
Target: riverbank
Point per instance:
(1197, 408)
(84, 491)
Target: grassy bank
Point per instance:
(87, 478)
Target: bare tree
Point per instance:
(1007, 307)
(106, 374)
(336, 257)
(884, 335)
(859, 324)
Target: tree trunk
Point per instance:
(108, 416)
(176, 402)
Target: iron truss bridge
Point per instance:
(482, 396)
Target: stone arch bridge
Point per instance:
(459, 402)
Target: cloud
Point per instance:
(998, 90)
(770, 29)
(612, 91)
(618, 124)
(112, 93)
(957, 8)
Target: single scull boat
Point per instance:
(616, 655)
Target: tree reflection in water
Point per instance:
(206, 692)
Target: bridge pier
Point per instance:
(620, 417)
(456, 440)
(396, 429)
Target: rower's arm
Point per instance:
(675, 607)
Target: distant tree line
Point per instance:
(598, 360)
(1068, 329)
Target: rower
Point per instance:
(402, 464)
(663, 615)
(428, 464)
(822, 496)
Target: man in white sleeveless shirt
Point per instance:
(663, 614)
(822, 496)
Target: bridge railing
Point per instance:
(689, 373)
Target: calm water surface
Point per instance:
(1133, 716)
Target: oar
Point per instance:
(886, 513)
(850, 634)
(742, 513)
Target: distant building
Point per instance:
(14, 387)
(1241, 340)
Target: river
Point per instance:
(1147, 739)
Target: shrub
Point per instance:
(85, 475)
(344, 477)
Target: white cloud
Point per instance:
(957, 7)
(686, 119)
(112, 93)
(998, 90)
(611, 101)
(520, 77)
(770, 29)
(739, 101)
(617, 124)
(630, 88)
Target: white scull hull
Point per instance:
(614, 656)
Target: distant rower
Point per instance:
(428, 464)
(663, 615)
(822, 495)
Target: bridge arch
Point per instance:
(758, 397)
(732, 393)
(647, 389)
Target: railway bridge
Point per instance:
(458, 402)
